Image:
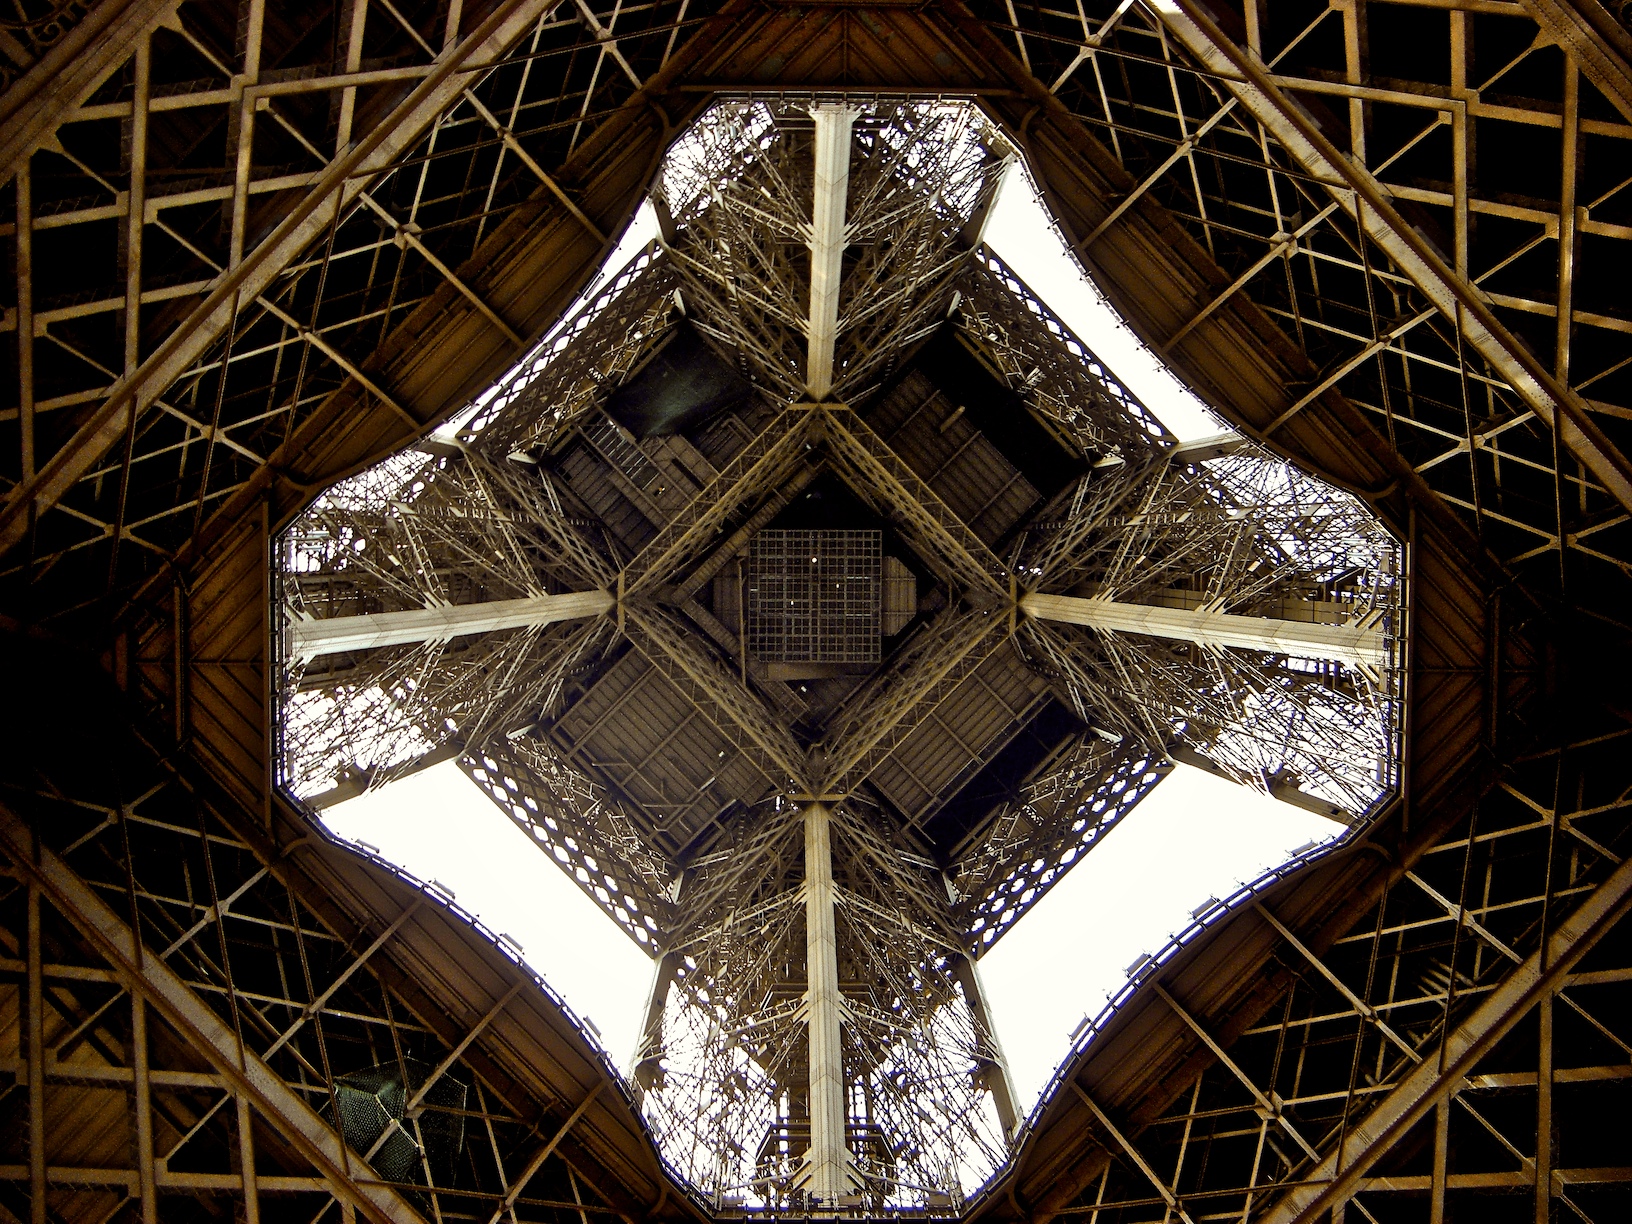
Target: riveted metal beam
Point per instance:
(1361, 196)
(1435, 1079)
(163, 989)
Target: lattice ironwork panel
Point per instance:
(813, 596)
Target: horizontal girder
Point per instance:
(827, 239)
(1359, 645)
(309, 639)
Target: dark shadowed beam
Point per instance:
(43, 97)
(1602, 45)
(1433, 1080)
(148, 976)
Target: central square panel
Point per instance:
(813, 596)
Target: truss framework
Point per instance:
(1334, 177)
(1446, 1052)
(163, 955)
(1532, 505)
(169, 394)
(883, 1088)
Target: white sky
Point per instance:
(1193, 838)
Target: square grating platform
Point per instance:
(813, 596)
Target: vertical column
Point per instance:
(827, 243)
(137, 200)
(1566, 222)
(25, 312)
(828, 1159)
(244, 162)
(996, 1068)
(246, 1162)
(649, 1048)
(1459, 140)
(1442, 1147)
(36, 1064)
(1354, 55)
(1544, 1109)
(144, 1110)
(358, 20)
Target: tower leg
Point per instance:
(649, 1050)
(996, 1067)
(828, 1160)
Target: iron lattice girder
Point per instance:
(887, 709)
(335, 191)
(736, 711)
(311, 638)
(147, 975)
(307, 956)
(751, 476)
(1356, 646)
(1432, 1080)
(903, 222)
(583, 827)
(741, 950)
(830, 188)
(1359, 194)
(1309, 998)
(901, 935)
(1035, 837)
(286, 396)
(1278, 306)
(944, 542)
(1188, 162)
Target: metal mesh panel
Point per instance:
(813, 596)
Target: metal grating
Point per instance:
(813, 596)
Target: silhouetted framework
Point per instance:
(254, 250)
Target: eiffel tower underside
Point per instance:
(817, 688)
(809, 593)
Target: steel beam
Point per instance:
(737, 712)
(201, 1028)
(896, 699)
(311, 638)
(996, 1069)
(1589, 33)
(336, 190)
(1199, 450)
(35, 1029)
(758, 471)
(647, 1062)
(1435, 1079)
(40, 101)
(827, 1160)
(827, 240)
(1161, 1187)
(946, 543)
(1363, 198)
(1360, 645)
(507, 1206)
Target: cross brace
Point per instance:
(164, 990)
(335, 191)
(1360, 195)
(1435, 1079)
